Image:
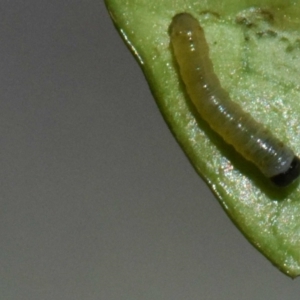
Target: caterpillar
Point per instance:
(237, 127)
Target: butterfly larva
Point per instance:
(254, 142)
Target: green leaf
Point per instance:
(255, 49)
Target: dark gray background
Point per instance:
(97, 199)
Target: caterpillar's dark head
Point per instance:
(287, 177)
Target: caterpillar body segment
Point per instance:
(252, 140)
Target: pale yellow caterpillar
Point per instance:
(252, 140)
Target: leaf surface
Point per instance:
(255, 49)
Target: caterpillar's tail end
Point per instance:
(286, 178)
